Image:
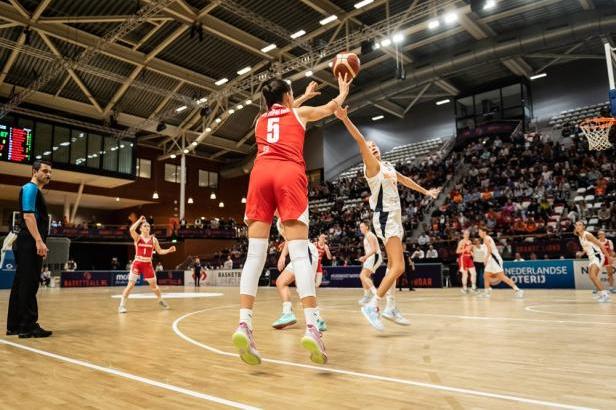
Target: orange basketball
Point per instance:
(346, 63)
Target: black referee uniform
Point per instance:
(23, 309)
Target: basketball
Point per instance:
(346, 63)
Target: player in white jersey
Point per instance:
(592, 248)
(494, 269)
(287, 276)
(371, 261)
(383, 181)
(610, 258)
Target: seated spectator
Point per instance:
(418, 254)
(228, 263)
(70, 265)
(518, 257)
(423, 239)
(45, 276)
(431, 253)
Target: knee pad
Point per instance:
(255, 261)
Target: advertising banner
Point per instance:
(84, 279)
(582, 281)
(539, 274)
(426, 275)
(216, 277)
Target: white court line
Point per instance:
(372, 376)
(144, 380)
(533, 308)
(500, 318)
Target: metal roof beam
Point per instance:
(219, 28)
(417, 97)
(446, 86)
(95, 19)
(389, 107)
(149, 57)
(567, 56)
(587, 4)
(22, 37)
(72, 74)
(116, 51)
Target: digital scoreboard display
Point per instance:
(15, 144)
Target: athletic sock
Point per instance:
(367, 292)
(123, 301)
(515, 288)
(287, 307)
(375, 301)
(372, 290)
(310, 315)
(246, 317)
(390, 301)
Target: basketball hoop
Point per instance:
(597, 131)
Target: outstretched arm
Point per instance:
(372, 164)
(311, 92)
(161, 251)
(133, 228)
(311, 114)
(409, 183)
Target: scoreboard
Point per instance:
(15, 144)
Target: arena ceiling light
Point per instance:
(451, 17)
(208, 129)
(65, 143)
(398, 38)
(180, 109)
(202, 100)
(221, 205)
(489, 5)
(190, 200)
(445, 101)
(239, 107)
(172, 156)
(221, 81)
(309, 73)
(362, 4)
(244, 70)
(117, 199)
(185, 151)
(328, 20)
(538, 76)
(434, 24)
(194, 143)
(155, 195)
(213, 195)
(231, 111)
(298, 34)
(378, 117)
(269, 48)
(386, 42)
(244, 200)
(248, 102)
(218, 120)
(330, 64)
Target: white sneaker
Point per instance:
(395, 316)
(163, 304)
(484, 295)
(595, 294)
(364, 300)
(604, 297)
(464, 291)
(122, 309)
(518, 294)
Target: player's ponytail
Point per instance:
(273, 91)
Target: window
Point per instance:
(110, 154)
(172, 173)
(42, 140)
(208, 179)
(95, 142)
(61, 142)
(144, 168)
(126, 158)
(78, 147)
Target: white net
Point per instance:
(597, 131)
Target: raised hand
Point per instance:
(342, 112)
(433, 193)
(311, 90)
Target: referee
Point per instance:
(29, 249)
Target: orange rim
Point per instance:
(599, 122)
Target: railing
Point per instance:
(121, 232)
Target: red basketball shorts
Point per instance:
(277, 185)
(465, 262)
(143, 268)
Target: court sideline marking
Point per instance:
(130, 376)
(533, 308)
(450, 389)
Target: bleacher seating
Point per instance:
(578, 114)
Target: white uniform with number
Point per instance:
(385, 202)
(314, 260)
(595, 254)
(373, 262)
(494, 262)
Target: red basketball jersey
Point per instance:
(144, 249)
(321, 250)
(280, 136)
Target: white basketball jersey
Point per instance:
(489, 241)
(367, 247)
(589, 247)
(384, 195)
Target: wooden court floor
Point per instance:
(555, 349)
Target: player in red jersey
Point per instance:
(465, 262)
(145, 244)
(278, 182)
(323, 250)
(610, 259)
